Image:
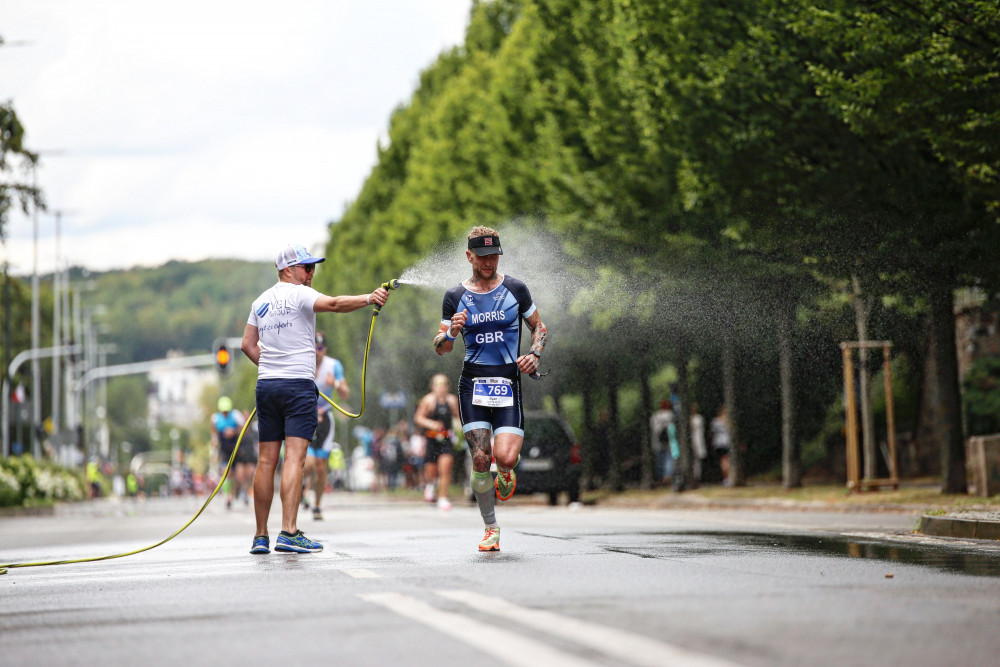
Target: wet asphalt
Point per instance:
(403, 583)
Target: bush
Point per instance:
(10, 489)
(26, 481)
(981, 396)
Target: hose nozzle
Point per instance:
(389, 284)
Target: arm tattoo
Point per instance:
(539, 338)
(439, 340)
(479, 445)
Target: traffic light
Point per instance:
(223, 357)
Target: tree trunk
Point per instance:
(862, 309)
(948, 423)
(791, 461)
(589, 444)
(645, 412)
(681, 414)
(736, 474)
(615, 475)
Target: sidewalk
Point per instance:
(941, 515)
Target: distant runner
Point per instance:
(329, 379)
(434, 415)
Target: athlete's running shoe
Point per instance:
(261, 545)
(491, 540)
(505, 484)
(317, 514)
(297, 543)
(429, 493)
(444, 504)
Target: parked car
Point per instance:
(550, 458)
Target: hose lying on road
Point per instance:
(232, 457)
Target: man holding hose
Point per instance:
(280, 338)
(487, 310)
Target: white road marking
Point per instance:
(360, 574)
(513, 648)
(634, 648)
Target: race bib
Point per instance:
(492, 392)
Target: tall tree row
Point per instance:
(714, 169)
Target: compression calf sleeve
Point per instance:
(482, 487)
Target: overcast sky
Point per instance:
(188, 129)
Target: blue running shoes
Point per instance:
(261, 545)
(297, 543)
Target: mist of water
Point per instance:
(561, 277)
(535, 257)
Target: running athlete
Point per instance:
(226, 425)
(280, 338)
(487, 310)
(434, 415)
(329, 378)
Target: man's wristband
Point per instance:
(446, 336)
(368, 300)
(535, 353)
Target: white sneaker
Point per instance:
(429, 493)
(444, 504)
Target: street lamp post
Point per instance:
(56, 332)
(36, 385)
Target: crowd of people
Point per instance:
(666, 448)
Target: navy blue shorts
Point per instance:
(499, 420)
(286, 409)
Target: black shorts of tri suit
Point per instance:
(499, 420)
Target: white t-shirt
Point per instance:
(698, 436)
(286, 326)
(658, 423)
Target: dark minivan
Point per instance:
(550, 458)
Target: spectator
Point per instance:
(721, 442)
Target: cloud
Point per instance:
(188, 125)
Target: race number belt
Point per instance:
(492, 392)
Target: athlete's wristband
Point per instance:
(446, 336)
(535, 353)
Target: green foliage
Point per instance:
(24, 481)
(179, 306)
(16, 164)
(905, 392)
(982, 397)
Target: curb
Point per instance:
(945, 526)
(19, 511)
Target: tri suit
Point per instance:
(233, 421)
(439, 442)
(322, 441)
(489, 391)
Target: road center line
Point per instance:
(515, 649)
(360, 573)
(634, 648)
